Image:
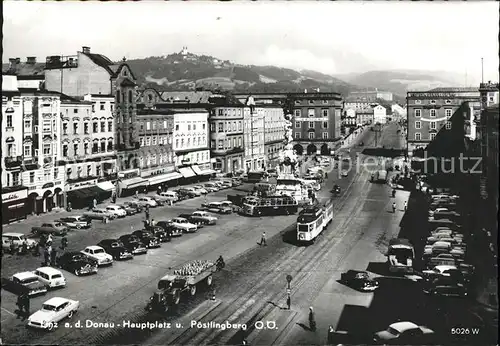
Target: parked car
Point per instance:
(450, 215)
(236, 181)
(99, 214)
(147, 238)
(203, 217)
(216, 207)
(52, 312)
(401, 333)
(441, 270)
(98, 254)
(211, 187)
(194, 192)
(160, 233)
(24, 282)
(133, 244)
(344, 174)
(53, 228)
(77, 221)
(192, 220)
(77, 263)
(170, 196)
(437, 210)
(160, 201)
(50, 277)
(184, 225)
(437, 248)
(116, 210)
(147, 201)
(132, 204)
(130, 210)
(116, 249)
(184, 193)
(168, 227)
(228, 204)
(17, 239)
(359, 280)
(200, 189)
(444, 290)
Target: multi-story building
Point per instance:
(274, 133)
(371, 95)
(253, 134)
(428, 111)
(226, 136)
(349, 120)
(365, 116)
(379, 114)
(356, 104)
(14, 193)
(87, 147)
(316, 121)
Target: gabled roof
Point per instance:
(100, 60)
(24, 69)
(186, 96)
(127, 82)
(454, 89)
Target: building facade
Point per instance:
(274, 133)
(365, 116)
(371, 95)
(226, 137)
(379, 114)
(253, 134)
(429, 111)
(316, 121)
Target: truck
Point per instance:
(53, 228)
(183, 279)
(400, 255)
(379, 176)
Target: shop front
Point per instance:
(188, 175)
(131, 182)
(14, 204)
(82, 194)
(161, 182)
(203, 171)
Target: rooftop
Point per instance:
(186, 96)
(24, 69)
(454, 89)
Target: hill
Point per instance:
(189, 71)
(400, 81)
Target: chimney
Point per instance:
(86, 49)
(31, 60)
(18, 60)
(12, 62)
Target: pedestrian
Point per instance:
(53, 258)
(37, 249)
(263, 239)
(46, 256)
(49, 240)
(326, 175)
(136, 193)
(114, 198)
(95, 203)
(12, 247)
(288, 302)
(331, 333)
(393, 207)
(64, 243)
(312, 321)
(24, 248)
(19, 303)
(153, 222)
(43, 240)
(26, 305)
(69, 207)
(147, 213)
(213, 294)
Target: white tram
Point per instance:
(313, 220)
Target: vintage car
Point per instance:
(160, 201)
(190, 219)
(359, 280)
(147, 201)
(77, 263)
(443, 270)
(216, 207)
(160, 234)
(116, 210)
(98, 254)
(133, 244)
(76, 221)
(211, 187)
(53, 228)
(184, 193)
(203, 217)
(401, 333)
(445, 289)
(194, 192)
(53, 311)
(17, 239)
(24, 282)
(99, 214)
(130, 210)
(50, 277)
(200, 189)
(170, 196)
(344, 173)
(437, 210)
(147, 238)
(116, 249)
(169, 228)
(133, 204)
(184, 225)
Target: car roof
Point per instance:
(24, 275)
(444, 267)
(56, 301)
(10, 234)
(402, 326)
(93, 247)
(48, 270)
(217, 203)
(179, 218)
(72, 253)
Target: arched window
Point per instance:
(130, 99)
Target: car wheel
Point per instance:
(70, 314)
(77, 272)
(209, 280)
(78, 226)
(192, 290)
(50, 327)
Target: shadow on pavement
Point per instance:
(380, 268)
(290, 236)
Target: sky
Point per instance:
(330, 37)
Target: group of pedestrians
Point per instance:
(49, 250)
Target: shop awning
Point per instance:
(86, 192)
(106, 185)
(187, 172)
(163, 178)
(133, 183)
(200, 171)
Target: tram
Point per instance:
(313, 220)
(269, 205)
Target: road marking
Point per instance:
(4, 309)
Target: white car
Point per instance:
(184, 225)
(116, 210)
(437, 210)
(17, 239)
(193, 190)
(444, 237)
(402, 333)
(50, 277)
(98, 254)
(344, 173)
(201, 189)
(441, 270)
(147, 201)
(52, 312)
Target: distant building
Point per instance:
(357, 104)
(398, 112)
(379, 114)
(365, 116)
(429, 111)
(371, 95)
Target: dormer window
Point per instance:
(447, 102)
(417, 102)
(433, 102)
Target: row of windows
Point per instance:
(122, 95)
(101, 106)
(418, 136)
(95, 127)
(311, 135)
(190, 126)
(96, 148)
(186, 142)
(237, 142)
(311, 102)
(311, 124)
(310, 112)
(199, 157)
(154, 140)
(153, 125)
(432, 102)
(226, 126)
(433, 112)
(154, 159)
(432, 125)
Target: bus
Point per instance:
(400, 255)
(313, 220)
(270, 205)
(293, 187)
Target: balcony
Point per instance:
(13, 162)
(80, 179)
(9, 129)
(224, 152)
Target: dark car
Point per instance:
(116, 249)
(161, 234)
(190, 218)
(185, 193)
(147, 238)
(446, 290)
(169, 228)
(159, 200)
(77, 263)
(359, 280)
(133, 244)
(138, 207)
(129, 209)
